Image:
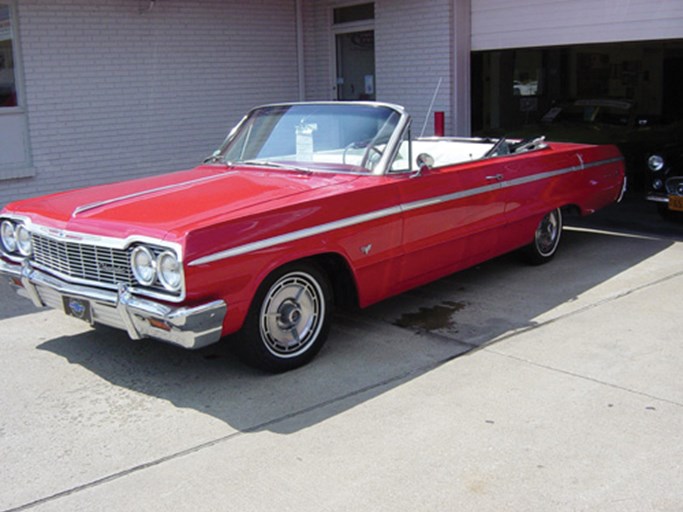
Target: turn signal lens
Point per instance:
(143, 264)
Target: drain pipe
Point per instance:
(300, 49)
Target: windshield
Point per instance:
(587, 113)
(339, 136)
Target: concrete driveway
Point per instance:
(504, 387)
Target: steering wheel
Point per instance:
(371, 156)
(356, 144)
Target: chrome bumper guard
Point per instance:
(657, 198)
(192, 328)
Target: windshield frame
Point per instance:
(381, 167)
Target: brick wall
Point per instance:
(113, 92)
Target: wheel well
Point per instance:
(571, 209)
(341, 278)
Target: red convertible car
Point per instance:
(305, 206)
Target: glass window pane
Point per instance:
(360, 12)
(8, 91)
(341, 136)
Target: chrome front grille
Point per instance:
(80, 261)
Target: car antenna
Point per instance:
(431, 106)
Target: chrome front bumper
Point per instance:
(193, 327)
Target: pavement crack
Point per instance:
(587, 307)
(585, 377)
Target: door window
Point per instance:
(15, 158)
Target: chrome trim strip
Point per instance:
(624, 187)
(92, 206)
(296, 235)
(424, 203)
(386, 212)
(657, 199)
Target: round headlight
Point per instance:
(170, 271)
(657, 184)
(24, 243)
(655, 163)
(143, 264)
(8, 235)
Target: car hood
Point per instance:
(170, 205)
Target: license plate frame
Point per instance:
(77, 308)
(676, 203)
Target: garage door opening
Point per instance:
(622, 93)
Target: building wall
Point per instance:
(317, 50)
(500, 24)
(413, 42)
(413, 52)
(114, 92)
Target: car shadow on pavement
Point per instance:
(11, 305)
(371, 351)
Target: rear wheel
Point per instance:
(546, 238)
(289, 318)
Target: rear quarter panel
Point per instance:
(585, 176)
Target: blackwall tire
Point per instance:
(546, 238)
(289, 319)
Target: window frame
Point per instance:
(19, 112)
(16, 56)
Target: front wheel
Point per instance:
(289, 319)
(546, 238)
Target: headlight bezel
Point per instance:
(151, 271)
(24, 241)
(8, 236)
(144, 252)
(176, 283)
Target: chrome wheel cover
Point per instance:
(548, 233)
(292, 314)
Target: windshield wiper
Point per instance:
(213, 158)
(275, 165)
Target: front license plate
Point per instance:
(676, 203)
(78, 308)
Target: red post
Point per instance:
(439, 124)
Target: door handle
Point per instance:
(497, 177)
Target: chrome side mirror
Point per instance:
(424, 161)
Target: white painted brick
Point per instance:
(112, 93)
(412, 51)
